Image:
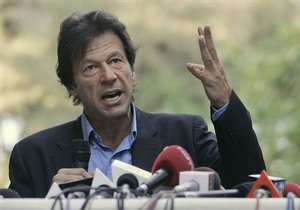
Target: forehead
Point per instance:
(104, 42)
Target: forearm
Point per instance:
(238, 145)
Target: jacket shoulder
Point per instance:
(53, 134)
(172, 118)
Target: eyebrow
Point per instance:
(113, 54)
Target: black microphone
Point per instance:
(104, 191)
(79, 191)
(243, 189)
(80, 153)
(126, 184)
(9, 193)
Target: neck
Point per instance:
(113, 131)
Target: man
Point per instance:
(96, 64)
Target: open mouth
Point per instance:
(111, 96)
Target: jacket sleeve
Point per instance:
(238, 146)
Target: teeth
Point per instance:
(112, 99)
(110, 95)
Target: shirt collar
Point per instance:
(87, 128)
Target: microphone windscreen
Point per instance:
(80, 153)
(243, 188)
(175, 159)
(9, 193)
(291, 187)
(129, 179)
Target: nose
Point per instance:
(107, 74)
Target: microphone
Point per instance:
(80, 153)
(238, 191)
(243, 189)
(201, 179)
(214, 178)
(291, 189)
(263, 188)
(210, 194)
(206, 178)
(166, 168)
(104, 191)
(126, 183)
(9, 193)
(191, 185)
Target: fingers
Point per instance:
(70, 174)
(201, 30)
(208, 50)
(204, 50)
(206, 57)
(210, 44)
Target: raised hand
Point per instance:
(212, 73)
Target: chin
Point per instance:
(118, 112)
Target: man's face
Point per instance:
(104, 79)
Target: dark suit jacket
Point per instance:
(37, 158)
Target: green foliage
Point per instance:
(258, 42)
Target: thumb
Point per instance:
(196, 69)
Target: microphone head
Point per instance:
(175, 159)
(80, 153)
(104, 191)
(291, 187)
(128, 178)
(216, 177)
(243, 189)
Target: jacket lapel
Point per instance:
(145, 149)
(61, 156)
(147, 145)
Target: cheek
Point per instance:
(130, 81)
(85, 87)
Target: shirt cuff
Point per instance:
(216, 113)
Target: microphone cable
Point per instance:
(126, 185)
(259, 196)
(120, 200)
(55, 201)
(69, 198)
(69, 190)
(152, 202)
(290, 202)
(98, 190)
(170, 202)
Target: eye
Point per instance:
(116, 62)
(90, 69)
